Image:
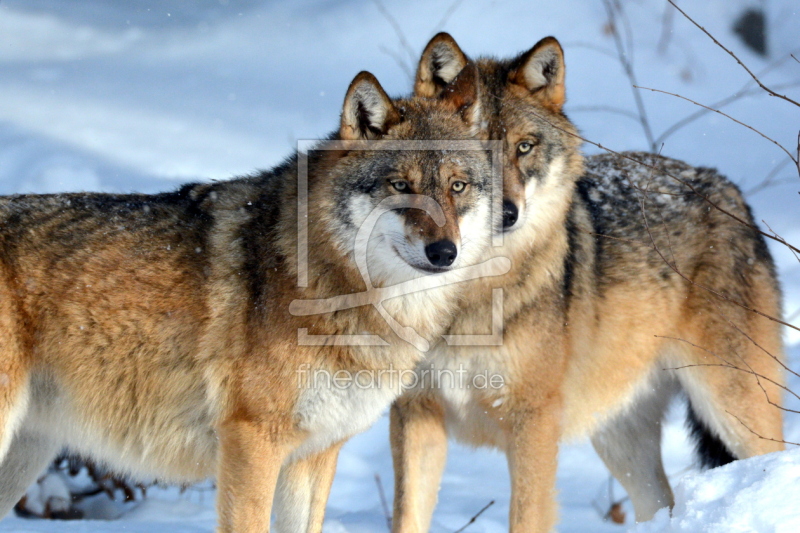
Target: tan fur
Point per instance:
(154, 332)
(587, 305)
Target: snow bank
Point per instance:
(759, 494)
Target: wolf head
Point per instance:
(438, 193)
(521, 102)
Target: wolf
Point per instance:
(154, 332)
(634, 278)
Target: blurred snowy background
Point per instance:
(142, 95)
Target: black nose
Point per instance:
(510, 213)
(441, 253)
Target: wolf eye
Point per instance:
(400, 186)
(459, 186)
(524, 147)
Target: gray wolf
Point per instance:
(153, 332)
(623, 292)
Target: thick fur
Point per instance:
(153, 332)
(599, 330)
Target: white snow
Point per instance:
(753, 495)
(145, 94)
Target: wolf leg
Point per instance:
(419, 452)
(630, 446)
(249, 465)
(532, 461)
(303, 488)
(25, 460)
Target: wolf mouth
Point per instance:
(430, 269)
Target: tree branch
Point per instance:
(758, 81)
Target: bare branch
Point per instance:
(679, 180)
(773, 141)
(399, 60)
(666, 30)
(734, 367)
(760, 436)
(589, 46)
(627, 66)
(758, 81)
(447, 14)
(777, 359)
(384, 505)
(769, 180)
(741, 93)
(776, 234)
(474, 518)
(681, 274)
(398, 30)
(606, 109)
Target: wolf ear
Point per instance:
(541, 71)
(462, 97)
(368, 112)
(440, 63)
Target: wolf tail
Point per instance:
(711, 451)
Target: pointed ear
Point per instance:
(541, 71)
(440, 63)
(463, 97)
(368, 112)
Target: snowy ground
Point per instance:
(145, 94)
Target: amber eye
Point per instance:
(459, 186)
(401, 186)
(524, 147)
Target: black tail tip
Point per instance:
(711, 451)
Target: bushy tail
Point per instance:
(711, 451)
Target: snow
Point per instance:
(145, 94)
(743, 496)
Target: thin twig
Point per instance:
(798, 153)
(447, 14)
(679, 180)
(605, 109)
(769, 179)
(777, 359)
(398, 30)
(734, 367)
(758, 81)
(761, 436)
(751, 128)
(398, 58)
(741, 93)
(627, 67)
(384, 504)
(666, 30)
(589, 46)
(776, 234)
(472, 520)
(681, 274)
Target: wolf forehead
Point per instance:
(428, 160)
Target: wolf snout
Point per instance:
(510, 213)
(441, 253)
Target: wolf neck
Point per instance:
(542, 240)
